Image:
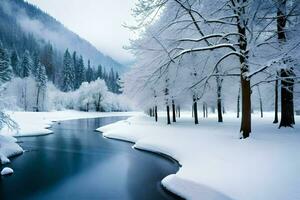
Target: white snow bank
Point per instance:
(7, 171)
(37, 123)
(216, 164)
(8, 148)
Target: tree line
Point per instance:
(200, 51)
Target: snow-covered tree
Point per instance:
(5, 75)
(89, 72)
(26, 65)
(5, 67)
(14, 62)
(80, 73)
(41, 85)
(68, 73)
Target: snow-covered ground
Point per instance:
(33, 124)
(216, 164)
(38, 123)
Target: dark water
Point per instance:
(78, 163)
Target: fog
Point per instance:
(98, 21)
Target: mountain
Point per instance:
(24, 26)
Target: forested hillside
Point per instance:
(26, 32)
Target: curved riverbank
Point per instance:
(79, 163)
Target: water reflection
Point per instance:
(78, 163)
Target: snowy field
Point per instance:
(216, 164)
(38, 123)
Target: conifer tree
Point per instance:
(68, 73)
(26, 65)
(47, 61)
(99, 72)
(14, 62)
(35, 63)
(41, 84)
(80, 73)
(89, 73)
(5, 68)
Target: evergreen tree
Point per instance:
(99, 72)
(14, 62)
(47, 61)
(80, 73)
(89, 73)
(35, 63)
(111, 80)
(41, 84)
(26, 65)
(5, 68)
(75, 66)
(68, 73)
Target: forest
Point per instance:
(240, 56)
(37, 73)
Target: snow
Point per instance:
(7, 171)
(8, 148)
(216, 164)
(38, 123)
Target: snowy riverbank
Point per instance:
(215, 163)
(38, 123)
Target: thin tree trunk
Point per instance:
(238, 103)
(206, 110)
(178, 111)
(276, 103)
(220, 117)
(98, 103)
(173, 110)
(260, 103)
(155, 111)
(37, 99)
(219, 97)
(195, 110)
(168, 115)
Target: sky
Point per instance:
(98, 21)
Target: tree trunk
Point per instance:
(238, 103)
(173, 111)
(206, 110)
(155, 112)
(219, 99)
(37, 99)
(260, 103)
(276, 102)
(287, 115)
(287, 81)
(245, 83)
(220, 117)
(98, 103)
(246, 108)
(195, 110)
(168, 115)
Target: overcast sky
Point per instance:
(98, 21)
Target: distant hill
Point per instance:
(24, 26)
